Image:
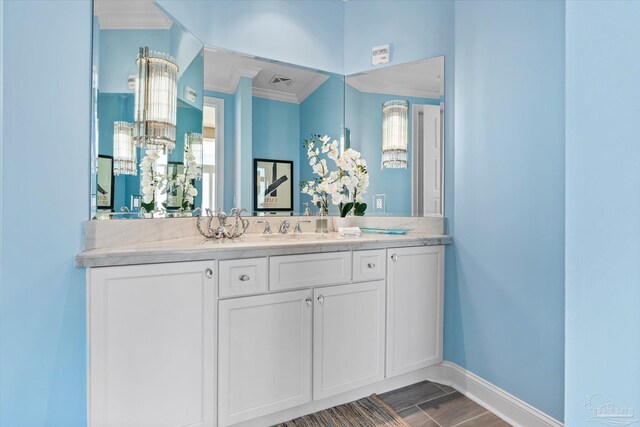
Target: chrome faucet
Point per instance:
(267, 227)
(284, 226)
(297, 229)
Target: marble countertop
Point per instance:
(249, 245)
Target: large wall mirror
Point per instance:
(180, 128)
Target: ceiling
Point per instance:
(272, 80)
(130, 15)
(422, 79)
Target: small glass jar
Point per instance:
(322, 222)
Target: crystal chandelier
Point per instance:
(124, 149)
(395, 134)
(193, 143)
(156, 101)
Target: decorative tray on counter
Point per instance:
(384, 230)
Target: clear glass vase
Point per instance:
(322, 221)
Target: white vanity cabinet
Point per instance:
(415, 290)
(151, 345)
(256, 341)
(264, 354)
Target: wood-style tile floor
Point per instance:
(428, 404)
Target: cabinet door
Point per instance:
(348, 346)
(414, 308)
(151, 339)
(264, 355)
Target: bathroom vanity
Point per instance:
(258, 330)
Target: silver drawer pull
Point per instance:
(320, 300)
(371, 265)
(209, 273)
(243, 278)
(308, 301)
(394, 257)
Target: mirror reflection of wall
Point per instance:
(120, 30)
(417, 90)
(267, 109)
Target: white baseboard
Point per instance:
(498, 401)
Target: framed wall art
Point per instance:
(273, 185)
(105, 181)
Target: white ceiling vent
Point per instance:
(281, 81)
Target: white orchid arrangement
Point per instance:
(150, 179)
(153, 182)
(185, 180)
(346, 185)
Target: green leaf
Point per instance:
(360, 208)
(346, 208)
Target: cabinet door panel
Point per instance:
(151, 345)
(414, 308)
(264, 355)
(348, 337)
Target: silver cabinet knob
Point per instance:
(243, 278)
(209, 273)
(394, 257)
(308, 301)
(371, 265)
(320, 300)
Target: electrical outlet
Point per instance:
(380, 203)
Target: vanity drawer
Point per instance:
(301, 271)
(369, 265)
(242, 277)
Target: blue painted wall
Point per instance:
(193, 77)
(276, 133)
(45, 169)
(118, 53)
(504, 304)
(602, 206)
(267, 28)
(322, 113)
(363, 116)
(415, 30)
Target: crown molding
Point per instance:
(315, 83)
(275, 95)
(232, 84)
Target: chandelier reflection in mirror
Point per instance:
(193, 143)
(395, 134)
(124, 149)
(156, 101)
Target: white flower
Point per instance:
(320, 168)
(313, 161)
